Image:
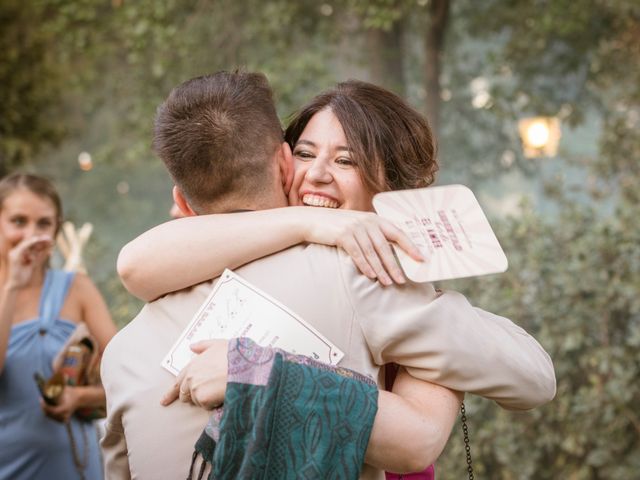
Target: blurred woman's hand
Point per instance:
(69, 403)
(26, 257)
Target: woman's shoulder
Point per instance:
(82, 290)
(86, 304)
(81, 284)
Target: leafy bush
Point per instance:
(573, 283)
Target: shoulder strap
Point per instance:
(54, 292)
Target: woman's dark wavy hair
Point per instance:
(391, 143)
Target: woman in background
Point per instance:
(39, 309)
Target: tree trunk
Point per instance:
(387, 57)
(434, 47)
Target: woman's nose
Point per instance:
(318, 172)
(29, 231)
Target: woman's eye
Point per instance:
(346, 162)
(44, 224)
(19, 221)
(303, 154)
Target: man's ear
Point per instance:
(182, 203)
(286, 167)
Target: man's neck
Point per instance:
(264, 202)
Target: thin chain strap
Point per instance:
(467, 446)
(80, 464)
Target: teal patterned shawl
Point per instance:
(287, 417)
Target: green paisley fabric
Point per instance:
(288, 417)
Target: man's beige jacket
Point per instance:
(437, 337)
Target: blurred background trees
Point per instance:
(86, 76)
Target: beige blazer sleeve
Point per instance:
(445, 340)
(114, 453)
(113, 444)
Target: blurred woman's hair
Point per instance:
(37, 185)
(391, 143)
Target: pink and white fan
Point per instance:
(449, 227)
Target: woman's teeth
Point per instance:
(319, 201)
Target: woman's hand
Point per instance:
(364, 236)
(69, 403)
(25, 257)
(203, 382)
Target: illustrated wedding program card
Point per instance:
(235, 308)
(448, 226)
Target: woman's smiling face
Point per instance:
(24, 214)
(325, 173)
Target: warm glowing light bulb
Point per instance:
(538, 134)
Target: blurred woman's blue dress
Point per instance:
(32, 446)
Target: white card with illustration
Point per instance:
(449, 228)
(235, 308)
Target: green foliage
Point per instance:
(573, 279)
(31, 82)
(106, 66)
(381, 14)
(574, 284)
(564, 58)
(93, 73)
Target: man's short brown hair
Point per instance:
(217, 135)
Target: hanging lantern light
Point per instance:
(540, 136)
